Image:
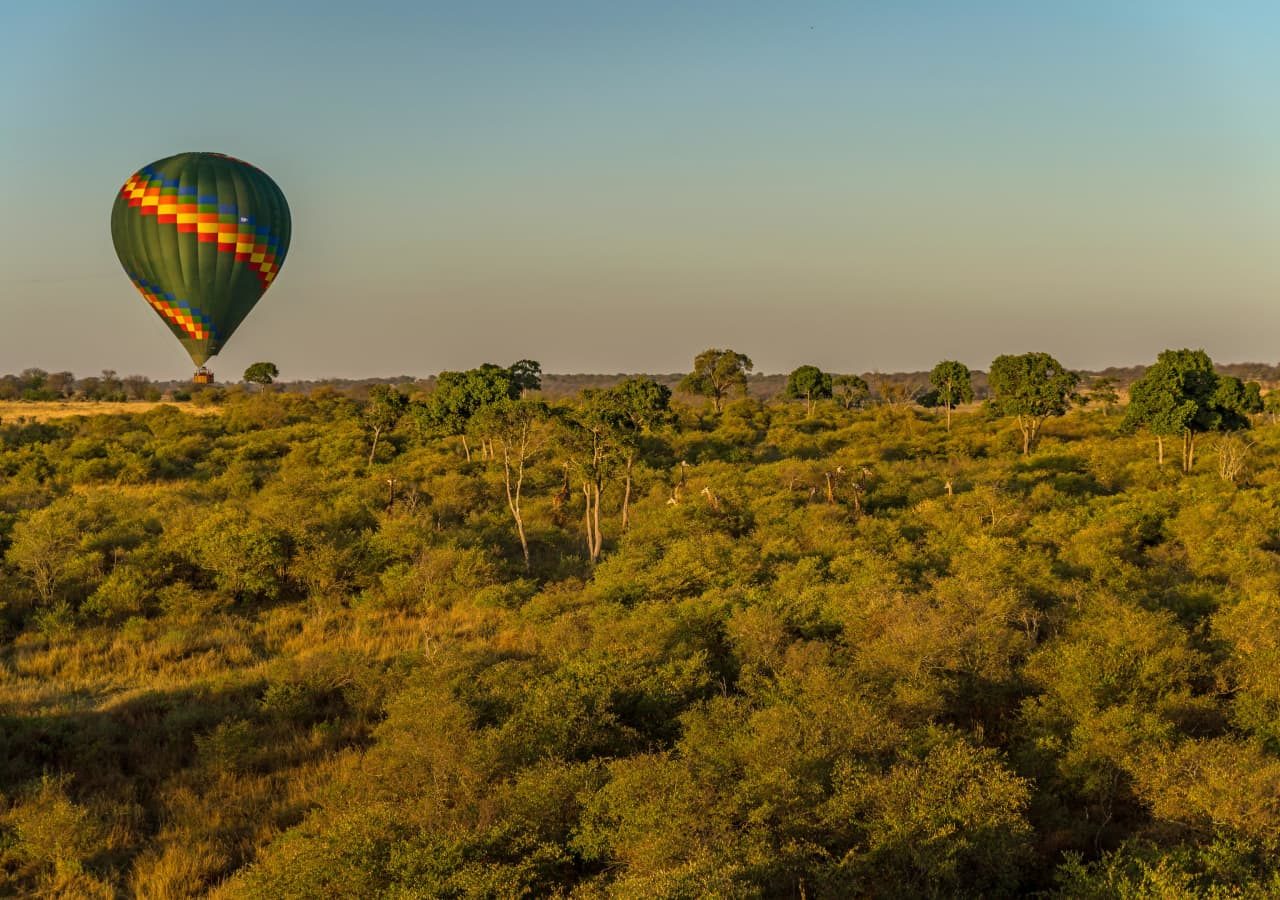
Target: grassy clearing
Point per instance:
(45, 411)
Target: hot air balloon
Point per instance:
(201, 236)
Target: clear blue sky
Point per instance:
(616, 186)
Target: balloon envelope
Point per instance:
(201, 236)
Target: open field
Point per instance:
(42, 411)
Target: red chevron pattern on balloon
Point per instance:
(174, 206)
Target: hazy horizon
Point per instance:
(609, 190)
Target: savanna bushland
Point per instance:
(867, 638)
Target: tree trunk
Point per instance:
(948, 405)
(831, 493)
(374, 449)
(626, 493)
(599, 538)
(808, 404)
(562, 496)
(466, 448)
(1159, 450)
(1030, 426)
(513, 497)
(45, 578)
(591, 540)
(591, 492)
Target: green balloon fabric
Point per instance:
(201, 236)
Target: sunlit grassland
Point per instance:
(266, 667)
(45, 411)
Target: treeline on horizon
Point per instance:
(37, 384)
(651, 640)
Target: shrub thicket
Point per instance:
(837, 652)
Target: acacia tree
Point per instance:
(715, 373)
(894, 393)
(386, 406)
(261, 373)
(851, 390)
(1031, 387)
(458, 396)
(1182, 395)
(639, 405)
(952, 384)
(516, 426)
(809, 383)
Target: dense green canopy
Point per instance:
(202, 236)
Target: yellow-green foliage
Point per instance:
(841, 654)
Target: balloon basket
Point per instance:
(202, 376)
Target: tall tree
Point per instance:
(1165, 400)
(458, 396)
(715, 373)
(953, 385)
(261, 373)
(639, 405)
(1182, 395)
(527, 375)
(591, 432)
(516, 426)
(386, 406)
(808, 383)
(1031, 387)
(851, 390)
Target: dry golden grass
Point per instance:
(42, 411)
